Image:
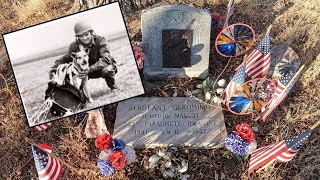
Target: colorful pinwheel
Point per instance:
(251, 96)
(235, 40)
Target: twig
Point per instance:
(315, 125)
(221, 72)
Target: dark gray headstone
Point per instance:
(147, 122)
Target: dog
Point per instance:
(75, 73)
(78, 71)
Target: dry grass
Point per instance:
(295, 22)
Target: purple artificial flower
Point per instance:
(236, 145)
(117, 144)
(106, 168)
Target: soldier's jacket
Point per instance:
(99, 54)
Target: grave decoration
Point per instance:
(138, 54)
(241, 143)
(167, 162)
(114, 155)
(283, 151)
(235, 40)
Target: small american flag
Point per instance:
(258, 61)
(283, 87)
(48, 168)
(236, 81)
(282, 151)
(43, 127)
(282, 83)
(229, 12)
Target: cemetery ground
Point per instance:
(295, 23)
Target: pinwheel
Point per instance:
(234, 40)
(251, 96)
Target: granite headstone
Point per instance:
(176, 42)
(148, 122)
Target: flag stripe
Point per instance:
(286, 156)
(43, 126)
(266, 156)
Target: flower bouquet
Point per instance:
(241, 143)
(138, 54)
(114, 155)
(169, 165)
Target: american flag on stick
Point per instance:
(229, 13)
(283, 151)
(283, 87)
(258, 61)
(235, 82)
(48, 168)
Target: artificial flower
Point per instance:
(153, 160)
(104, 155)
(103, 141)
(215, 20)
(130, 154)
(236, 145)
(117, 159)
(168, 174)
(106, 168)
(245, 132)
(117, 144)
(139, 55)
(215, 16)
(251, 147)
(183, 168)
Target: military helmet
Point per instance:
(81, 27)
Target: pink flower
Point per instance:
(215, 16)
(139, 55)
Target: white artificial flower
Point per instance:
(168, 164)
(161, 153)
(251, 147)
(183, 168)
(184, 177)
(217, 100)
(153, 161)
(208, 96)
(130, 154)
(220, 90)
(104, 155)
(222, 82)
(168, 174)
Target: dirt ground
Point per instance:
(295, 23)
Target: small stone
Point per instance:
(222, 83)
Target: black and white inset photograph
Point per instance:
(73, 64)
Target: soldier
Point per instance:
(102, 64)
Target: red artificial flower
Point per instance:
(245, 132)
(215, 16)
(139, 55)
(103, 142)
(117, 159)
